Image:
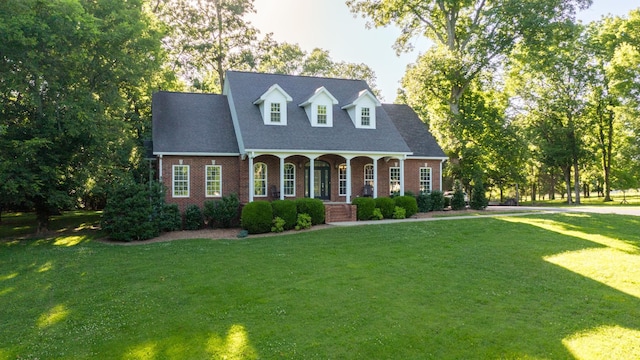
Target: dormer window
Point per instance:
(319, 108)
(322, 114)
(273, 105)
(365, 116)
(362, 110)
(275, 113)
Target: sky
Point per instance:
(330, 25)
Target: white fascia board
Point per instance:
(362, 94)
(257, 152)
(274, 87)
(318, 92)
(441, 158)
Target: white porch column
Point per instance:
(375, 177)
(251, 178)
(401, 176)
(348, 162)
(281, 177)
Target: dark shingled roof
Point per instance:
(298, 134)
(192, 123)
(414, 131)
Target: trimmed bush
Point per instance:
(366, 207)
(304, 222)
(424, 203)
(193, 219)
(287, 211)
(312, 207)
(257, 217)
(222, 213)
(170, 219)
(478, 199)
(408, 203)
(437, 200)
(128, 213)
(399, 213)
(386, 206)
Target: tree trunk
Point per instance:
(576, 180)
(43, 214)
(567, 179)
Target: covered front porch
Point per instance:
(332, 177)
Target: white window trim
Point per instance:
(272, 112)
(372, 180)
(430, 170)
(399, 179)
(266, 190)
(293, 166)
(206, 180)
(342, 167)
(173, 181)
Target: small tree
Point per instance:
(457, 201)
(478, 199)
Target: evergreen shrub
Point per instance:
(287, 211)
(312, 207)
(437, 200)
(457, 201)
(366, 207)
(424, 203)
(222, 213)
(386, 205)
(170, 218)
(478, 199)
(257, 217)
(408, 203)
(193, 219)
(129, 211)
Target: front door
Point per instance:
(321, 180)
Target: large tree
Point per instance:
(207, 38)
(67, 68)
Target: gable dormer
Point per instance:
(319, 108)
(362, 110)
(273, 105)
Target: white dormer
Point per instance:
(273, 105)
(362, 110)
(319, 108)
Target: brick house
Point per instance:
(274, 136)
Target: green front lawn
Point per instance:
(561, 286)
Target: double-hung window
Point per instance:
(289, 179)
(260, 179)
(276, 114)
(322, 114)
(368, 174)
(213, 180)
(180, 181)
(342, 180)
(394, 180)
(365, 116)
(425, 180)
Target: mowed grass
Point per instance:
(560, 286)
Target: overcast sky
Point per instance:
(328, 24)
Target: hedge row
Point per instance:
(258, 216)
(386, 207)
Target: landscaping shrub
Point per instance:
(377, 214)
(278, 225)
(304, 222)
(136, 211)
(287, 210)
(257, 217)
(478, 199)
(193, 219)
(366, 207)
(424, 203)
(222, 213)
(437, 200)
(312, 207)
(457, 201)
(399, 213)
(170, 219)
(386, 206)
(408, 203)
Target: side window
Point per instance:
(213, 182)
(425, 180)
(180, 181)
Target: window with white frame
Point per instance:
(342, 180)
(368, 174)
(180, 181)
(213, 180)
(322, 114)
(365, 116)
(275, 113)
(289, 179)
(425, 180)
(394, 180)
(260, 179)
